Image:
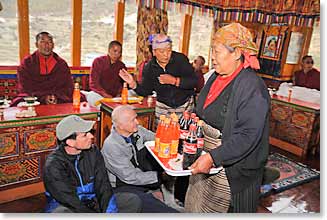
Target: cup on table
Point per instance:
(30, 100)
(2, 100)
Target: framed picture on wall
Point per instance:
(272, 46)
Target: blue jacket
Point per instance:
(78, 182)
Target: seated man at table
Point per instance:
(308, 76)
(75, 177)
(130, 166)
(44, 74)
(104, 78)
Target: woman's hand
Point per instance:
(202, 165)
(127, 78)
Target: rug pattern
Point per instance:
(291, 174)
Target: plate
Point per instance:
(173, 167)
(24, 104)
(130, 99)
(6, 104)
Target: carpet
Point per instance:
(291, 174)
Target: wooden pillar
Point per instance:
(119, 21)
(76, 32)
(185, 34)
(23, 28)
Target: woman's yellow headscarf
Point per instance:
(237, 36)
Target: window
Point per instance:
(314, 49)
(9, 45)
(200, 39)
(174, 28)
(97, 29)
(129, 39)
(55, 18)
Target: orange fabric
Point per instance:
(46, 64)
(219, 85)
(237, 36)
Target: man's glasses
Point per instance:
(308, 62)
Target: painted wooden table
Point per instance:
(294, 125)
(25, 143)
(145, 115)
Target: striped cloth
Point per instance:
(208, 193)
(162, 109)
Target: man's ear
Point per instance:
(70, 142)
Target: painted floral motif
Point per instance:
(41, 140)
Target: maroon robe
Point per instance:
(310, 79)
(105, 77)
(200, 82)
(31, 83)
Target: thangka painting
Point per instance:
(272, 43)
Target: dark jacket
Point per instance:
(170, 95)
(245, 134)
(78, 182)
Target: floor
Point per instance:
(301, 199)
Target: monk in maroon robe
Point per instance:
(105, 78)
(44, 74)
(308, 76)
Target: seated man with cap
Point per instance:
(75, 177)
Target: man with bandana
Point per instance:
(170, 75)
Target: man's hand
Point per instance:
(202, 165)
(127, 78)
(51, 99)
(167, 79)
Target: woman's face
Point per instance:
(224, 61)
(272, 45)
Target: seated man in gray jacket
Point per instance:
(129, 166)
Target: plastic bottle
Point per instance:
(189, 148)
(160, 127)
(165, 141)
(76, 97)
(200, 138)
(184, 126)
(124, 94)
(175, 137)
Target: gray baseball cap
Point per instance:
(71, 124)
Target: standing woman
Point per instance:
(236, 102)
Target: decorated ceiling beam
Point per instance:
(292, 12)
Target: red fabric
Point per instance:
(32, 83)
(219, 85)
(250, 61)
(46, 64)
(104, 78)
(310, 79)
(139, 77)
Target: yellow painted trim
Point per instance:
(11, 72)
